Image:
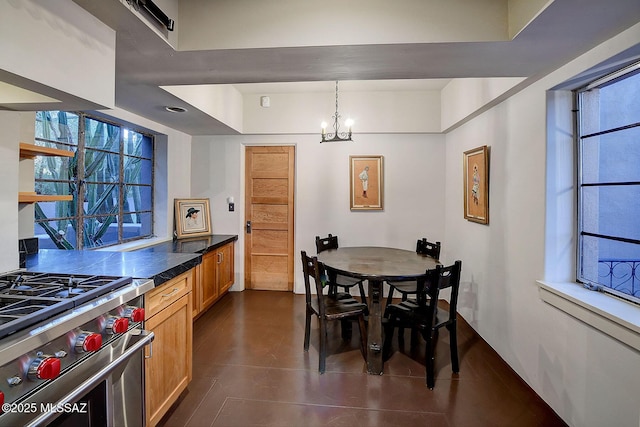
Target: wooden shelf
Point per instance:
(26, 197)
(29, 151)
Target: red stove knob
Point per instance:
(135, 314)
(117, 325)
(88, 341)
(44, 368)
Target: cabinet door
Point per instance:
(225, 268)
(168, 364)
(209, 288)
(196, 291)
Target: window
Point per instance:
(609, 184)
(110, 178)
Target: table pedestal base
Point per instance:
(374, 328)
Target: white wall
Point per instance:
(462, 99)
(41, 41)
(223, 102)
(589, 378)
(299, 112)
(413, 190)
(384, 112)
(209, 24)
(9, 157)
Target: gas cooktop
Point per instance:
(27, 298)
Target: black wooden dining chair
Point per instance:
(339, 280)
(427, 317)
(328, 308)
(406, 288)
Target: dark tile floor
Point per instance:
(250, 369)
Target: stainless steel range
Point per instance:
(71, 349)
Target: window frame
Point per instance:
(609, 79)
(81, 147)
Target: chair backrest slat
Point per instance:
(430, 249)
(454, 284)
(326, 243)
(313, 270)
(435, 280)
(443, 278)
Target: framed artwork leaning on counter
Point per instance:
(192, 217)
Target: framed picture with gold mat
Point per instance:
(193, 217)
(367, 183)
(476, 185)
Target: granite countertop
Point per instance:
(143, 265)
(160, 262)
(199, 245)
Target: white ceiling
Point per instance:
(344, 86)
(556, 32)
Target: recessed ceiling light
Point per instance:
(176, 109)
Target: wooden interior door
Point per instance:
(269, 190)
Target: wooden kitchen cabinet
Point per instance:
(215, 277)
(168, 361)
(224, 268)
(208, 286)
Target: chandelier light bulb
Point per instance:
(348, 123)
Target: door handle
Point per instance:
(248, 227)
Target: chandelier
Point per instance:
(336, 135)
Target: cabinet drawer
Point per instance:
(166, 294)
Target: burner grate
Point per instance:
(17, 313)
(30, 290)
(30, 297)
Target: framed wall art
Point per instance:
(367, 184)
(476, 185)
(193, 217)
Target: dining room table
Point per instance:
(376, 265)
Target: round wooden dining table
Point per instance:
(376, 265)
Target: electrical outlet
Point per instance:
(232, 207)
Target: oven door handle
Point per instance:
(91, 382)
